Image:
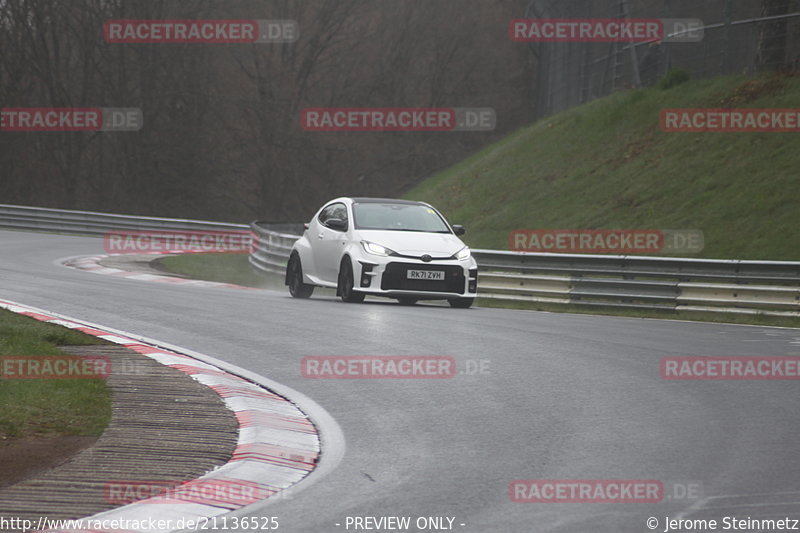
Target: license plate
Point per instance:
(435, 275)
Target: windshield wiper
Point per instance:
(404, 229)
(418, 230)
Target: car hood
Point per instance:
(415, 243)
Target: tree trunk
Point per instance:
(773, 37)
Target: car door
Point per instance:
(328, 243)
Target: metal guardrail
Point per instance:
(643, 282)
(721, 286)
(272, 244)
(91, 223)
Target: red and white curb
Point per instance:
(277, 444)
(91, 263)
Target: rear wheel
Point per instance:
(460, 303)
(346, 284)
(294, 278)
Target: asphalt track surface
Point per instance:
(565, 397)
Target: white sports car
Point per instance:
(393, 248)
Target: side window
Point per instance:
(326, 213)
(333, 211)
(340, 212)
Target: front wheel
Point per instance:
(346, 284)
(460, 303)
(294, 278)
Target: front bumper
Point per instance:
(390, 278)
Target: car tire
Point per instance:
(294, 279)
(407, 301)
(461, 303)
(346, 284)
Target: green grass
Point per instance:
(607, 164)
(39, 407)
(227, 268)
(224, 268)
(726, 318)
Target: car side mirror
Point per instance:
(337, 224)
(459, 230)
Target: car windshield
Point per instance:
(398, 217)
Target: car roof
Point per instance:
(385, 201)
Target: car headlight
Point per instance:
(463, 254)
(376, 249)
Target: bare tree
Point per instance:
(222, 137)
(774, 36)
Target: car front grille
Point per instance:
(395, 278)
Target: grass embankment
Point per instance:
(224, 268)
(229, 267)
(608, 164)
(47, 407)
(725, 318)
